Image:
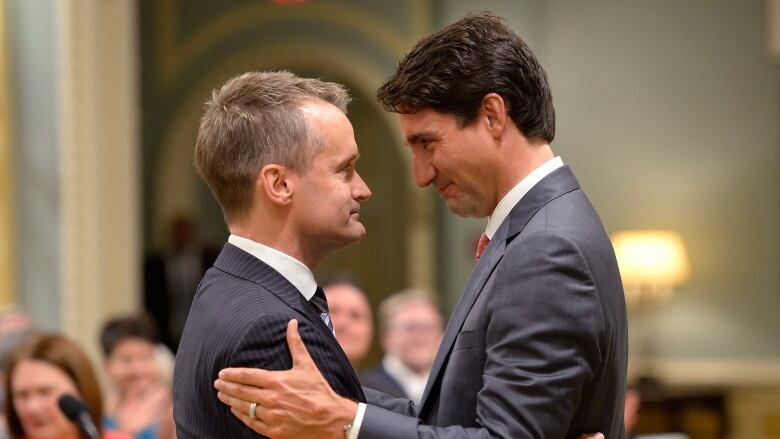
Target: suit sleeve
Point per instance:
(264, 346)
(544, 326)
(399, 405)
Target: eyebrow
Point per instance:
(414, 138)
(351, 159)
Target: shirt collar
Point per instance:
(292, 269)
(412, 383)
(514, 196)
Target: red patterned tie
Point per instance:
(482, 245)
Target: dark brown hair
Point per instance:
(119, 329)
(452, 70)
(65, 355)
(253, 120)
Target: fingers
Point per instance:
(247, 376)
(244, 392)
(234, 403)
(592, 436)
(242, 405)
(263, 378)
(300, 356)
(257, 425)
(240, 408)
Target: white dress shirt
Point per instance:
(514, 196)
(302, 278)
(413, 384)
(292, 269)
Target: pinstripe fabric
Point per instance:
(239, 318)
(321, 303)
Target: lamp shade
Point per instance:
(651, 258)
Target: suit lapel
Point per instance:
(557, 183)
(241, 264)
(490, 258)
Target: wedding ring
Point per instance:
(252, 410)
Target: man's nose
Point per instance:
(361, 191)
(424, 171)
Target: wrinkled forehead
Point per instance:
(425, 123)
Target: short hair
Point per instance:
(452, 70)
(65, 355)
(253, 120)
(120, 329)
(390, 306)
(344, 279)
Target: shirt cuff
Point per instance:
(361, 411)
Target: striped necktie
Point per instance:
(320, 302)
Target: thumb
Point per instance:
(300, 355)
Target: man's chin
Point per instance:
(356, 233)
(360, 232)
(465, 209)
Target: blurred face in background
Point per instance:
(35, 388)
(413, 335)
(132, 366)
(352, 320)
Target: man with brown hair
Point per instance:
(537, 345)
(279, 154)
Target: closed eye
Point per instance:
(348, 171)
(425, 140)
(426, 144)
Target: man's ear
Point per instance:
(493, 109)
(275, 182)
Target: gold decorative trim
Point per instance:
(773, 29)
(174, 56)
(716, 372)
(7, 269)
(98, 164)
(754, 413)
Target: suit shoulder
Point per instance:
(372, 374)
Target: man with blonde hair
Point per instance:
(279, 154)
(410, 332)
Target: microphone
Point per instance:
(75, 410)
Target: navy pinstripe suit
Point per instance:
(239, 319)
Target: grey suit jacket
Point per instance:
(380, 379)
(239, 319)
(537, 345)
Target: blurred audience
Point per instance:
(410, 333)
(15, 328)
(140, 403)
(41, 370)
(631, 410)
(350, 313)
(172, 276)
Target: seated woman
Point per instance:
(40, 371)
(140, 402)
